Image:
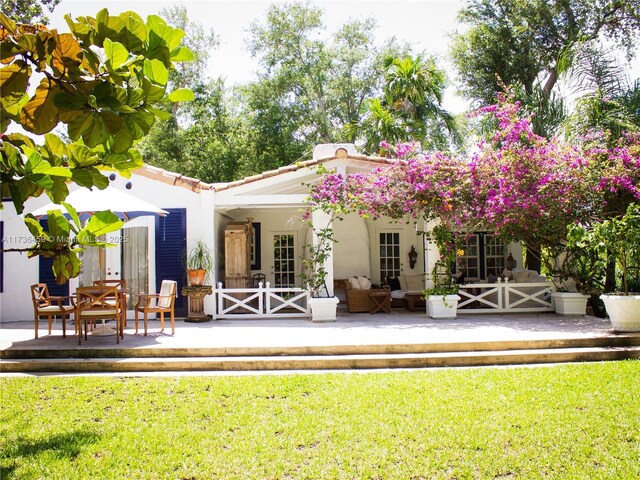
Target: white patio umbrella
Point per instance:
(87, 202)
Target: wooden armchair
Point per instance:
(158, 303)
(99, 302)
(50, 307)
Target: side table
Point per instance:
(412, 299)
(196, 294)
(380, 300)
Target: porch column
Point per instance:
(320, 221)
(431, 254)
(207, 199)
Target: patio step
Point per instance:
(122, 351)
(321, 362)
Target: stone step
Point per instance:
(122, 351)
(321, 362)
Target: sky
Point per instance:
(425, 24)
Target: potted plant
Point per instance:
(619, 236)
(199, 263)
(442, 299)
(578, 270)
(322, 305)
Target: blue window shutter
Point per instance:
(171, 243)
(45, 274)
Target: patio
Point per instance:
(398, 327)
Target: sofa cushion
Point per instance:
(521, 276)
(528, 276)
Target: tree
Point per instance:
(529, 44)
(609, 102)
(208, 147)
(410, 108)
(522, 41)
(201, 43)
(28, 11)
(311, 87)
(519, 185)
(100, 82)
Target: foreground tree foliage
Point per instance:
(100, 82)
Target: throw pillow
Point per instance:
(394, 283)
(365, 283)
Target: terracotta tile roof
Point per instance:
(172, 178)
(298, 166)
(197, 185)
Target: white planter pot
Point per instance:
(570, 303)
(323, 309)
(623, 311)
(442, 307)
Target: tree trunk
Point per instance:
(610, 279)
(533, 258)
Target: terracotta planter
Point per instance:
(323, 309)
(196, 277)
(439, 306)
(570, 303)
(624, 311)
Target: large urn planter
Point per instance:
(323, 309)
(570, 303)
(442, 306)
(624, 311)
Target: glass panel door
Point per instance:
(93, 265)
(389, 254)
(469, 262)
(284, 260)
(135, 262)
(494, 249)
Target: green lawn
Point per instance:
(568, 421)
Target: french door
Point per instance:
(389, 254)
(284, 260)
(483, 256)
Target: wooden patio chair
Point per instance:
(45, 305)
(158, 303)
(99, 302)
(122, 290)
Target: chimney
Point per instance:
(328, 150)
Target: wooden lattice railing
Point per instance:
(261, 302)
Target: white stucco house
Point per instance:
(151, 247)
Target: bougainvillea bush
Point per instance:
(517, 184)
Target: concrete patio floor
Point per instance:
(397, 328)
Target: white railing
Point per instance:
(504, 297)
(261, 302)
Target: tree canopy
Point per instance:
(532, 42)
